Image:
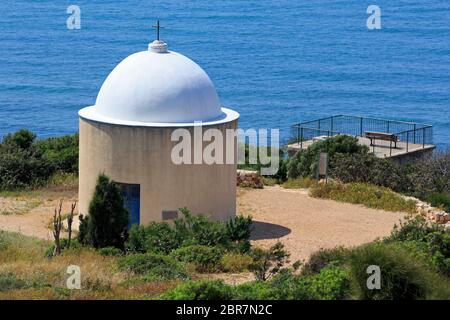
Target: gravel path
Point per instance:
(306, 224)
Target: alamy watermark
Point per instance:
(374, 280)
(211, 146)
(74, 279)
(74, 20)
(374, 20)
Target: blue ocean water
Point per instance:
(276, 62)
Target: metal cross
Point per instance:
(158, 27)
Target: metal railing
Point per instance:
(408, 134)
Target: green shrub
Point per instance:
(440, 200)
(27, 163)
(304, 163)
(21, 163)
(107, 223)
(260, 290)
(414, 229)
(153, 266)
(9, 281)
(160, 237)
(431, 175)
(190, 230)
(428, 241)
(110, 251)
(200, 290)
(205, 258)
(238, 229)
(60, 152)
(267, 263)
(22, 139)
(402, 277)
(324, 258)
(235, 262)
(368, 195)
(200, 230)
(367, 168)
(330, 283)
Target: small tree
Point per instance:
(267, 263)
(57, 226)
(69, 223)
(107, 223)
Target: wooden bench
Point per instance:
(381, 136)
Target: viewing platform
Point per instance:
(385, 138)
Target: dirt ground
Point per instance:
(306, 224)
(36, 220)
(302, 223)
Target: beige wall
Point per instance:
(142, 155)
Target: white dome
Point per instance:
(157, 87)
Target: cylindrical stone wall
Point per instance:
(142, 155)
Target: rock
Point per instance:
(249, 179)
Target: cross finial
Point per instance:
(158, 27)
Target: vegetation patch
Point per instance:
(204, 258)
(27, 163)
(299, 183)
(304, 163)
(153, 266)
(368, 195)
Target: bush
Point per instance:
(235, 262)
(441, 200)
(200, 230)
(431, 175)
(368, 195)
(267, 263)
(205, 258)
(27, 163)
(367, 168)
(158, 237)
(153, 266)
(426, 240)
(201, 290)
(304, 162)
(21, 163)
(238, 229)
(110, 251)
(190, 230)
(9, 281)
(330, 283)
(60, 152)
(402, 277)
(413, 229)
(324, 258)
(107, 223)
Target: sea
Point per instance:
(276, 62)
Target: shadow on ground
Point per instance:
(264, 230)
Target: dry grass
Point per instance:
(299, 183)
(17, 205)
(22, 258)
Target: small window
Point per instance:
(169, 215)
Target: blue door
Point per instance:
(131, 194)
